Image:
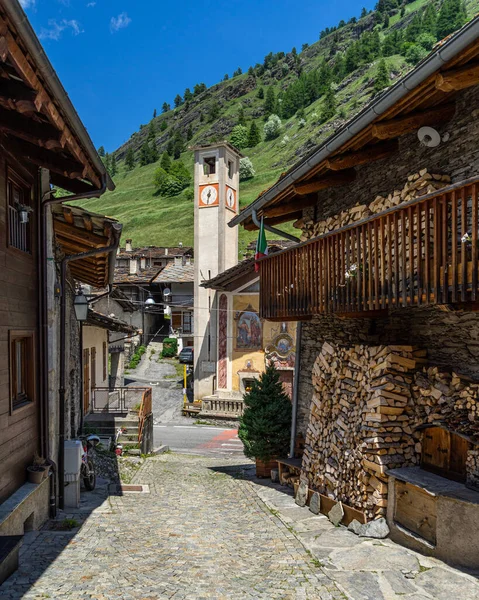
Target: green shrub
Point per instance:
(272, 127)
(170, 347)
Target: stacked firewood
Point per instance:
(417, 185)
(472, 468)
(357, 427)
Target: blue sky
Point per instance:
(120, 59)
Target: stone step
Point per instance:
(9, 549)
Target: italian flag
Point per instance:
(261, 246)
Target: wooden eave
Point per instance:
(78, 231)
(32, 123)
(431, 102)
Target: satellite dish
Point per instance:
(429, 137)
(166, 292)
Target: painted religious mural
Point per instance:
(248, 330)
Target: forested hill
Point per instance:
(275, 113)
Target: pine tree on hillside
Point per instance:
(154, 114)
(113, 166)
(241, 117)
(364, 13)
(329, 105)
(151, 131)
(130, 159)
(452, 17)
(165, 162)
(187, 95)
(414, 29)
(145, 154)
(154, 155)
(382, 76)
(178, 100)
(269, 102)
(163, 125)
(266, 423)
(429, 19)
(101, 151)
(254, 135)
(107, 162)
(189, 133)
(260, 93)
(165, 107)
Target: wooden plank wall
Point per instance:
(19, 431)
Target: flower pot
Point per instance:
(35, 474)
(47, 471)
(263, 469)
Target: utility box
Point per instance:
(73, 454)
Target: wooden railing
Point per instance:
(145, 411)
(421, 252)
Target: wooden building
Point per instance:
(42, 143)
(385, 283)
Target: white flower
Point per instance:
(466, 238)
(353, 267)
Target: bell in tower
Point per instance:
(216, 247)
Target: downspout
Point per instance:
(282, 234)
(43, 227)
(63, 325)
(297, 365)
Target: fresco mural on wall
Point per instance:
(223, 343)
(248, 330)
(281, 351)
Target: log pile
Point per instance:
(418, 184)
(357, 428)
(368, 409)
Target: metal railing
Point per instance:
(419, 253)
(119, 399)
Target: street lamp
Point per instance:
(81, 306)
(150, 301)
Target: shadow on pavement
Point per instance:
(41, 548)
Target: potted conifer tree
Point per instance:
(265, 426)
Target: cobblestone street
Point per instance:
(209, 529)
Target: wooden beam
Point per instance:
(68, 215)
(42, 157)
(26, 128)
(458, 79)
(75, 186)
(43, 100)
(396, 127)
(16, 91)
(76, 234)
(333, 180)
(363, 156)
(278, 210)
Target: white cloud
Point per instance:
(27, 4)
(119, 22)
(90, 4)
(56, 28)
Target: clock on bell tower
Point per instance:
(216, 247)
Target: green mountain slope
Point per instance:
(154, 219)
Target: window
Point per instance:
(186, 322)
(230, 169)
(209, 165)
(22, 365)
(19, 234)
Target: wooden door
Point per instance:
(86, 381)
(436, 449)
(457, 461)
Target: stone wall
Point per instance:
(458, 157)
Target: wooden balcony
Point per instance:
(419, 253)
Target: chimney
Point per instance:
(128, 247)
(143, 262)
(166, 251)
(178, 261)
(133, 266)
(180, 244)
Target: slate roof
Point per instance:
(142, 276)
(96, 319)
(173, 273)
(155, 252)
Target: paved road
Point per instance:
(199, 439)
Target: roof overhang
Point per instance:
(96, 319)
(37, 119)
(234, 277)
(425, 96)
(77, 231)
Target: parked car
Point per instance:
(186, 356)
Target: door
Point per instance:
(93, 368)
(86, 381)
(444, 453)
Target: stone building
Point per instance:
(385, 283)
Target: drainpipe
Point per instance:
(43, 222)
(294, 417)
(282, 234)
(63, 326)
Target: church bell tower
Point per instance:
(216, 248)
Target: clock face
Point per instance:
(230, 198)
(209, 195)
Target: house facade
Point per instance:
(385, 284)
(42, 144)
